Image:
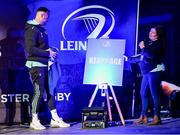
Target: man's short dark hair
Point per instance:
(44, 9)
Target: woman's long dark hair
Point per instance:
(161, 36)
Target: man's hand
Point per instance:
(52, 54)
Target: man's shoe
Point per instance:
(59, 123)
(156, 121)
(141, 120)
(54, 124)
(36, 125)
(56, 121)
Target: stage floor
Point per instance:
(169, 126)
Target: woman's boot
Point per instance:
(156, 121)
(142, 120)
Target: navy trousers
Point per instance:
(151, 81)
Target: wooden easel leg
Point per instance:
(133, 103)
(92, 99)
(108, 105)
(93, 96)
(117, 105)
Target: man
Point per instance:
(36, 42)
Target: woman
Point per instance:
(151, 65)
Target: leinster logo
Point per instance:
(93, 21)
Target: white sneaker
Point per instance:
(59, 123)
(56, 121)
(36, 125)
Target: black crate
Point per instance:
(94, 117)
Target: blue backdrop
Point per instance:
(70, 24)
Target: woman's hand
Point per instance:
(141, 44)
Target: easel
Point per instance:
(104, 86)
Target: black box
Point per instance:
(175, 106)
(94, 117)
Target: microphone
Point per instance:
(147, 42)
